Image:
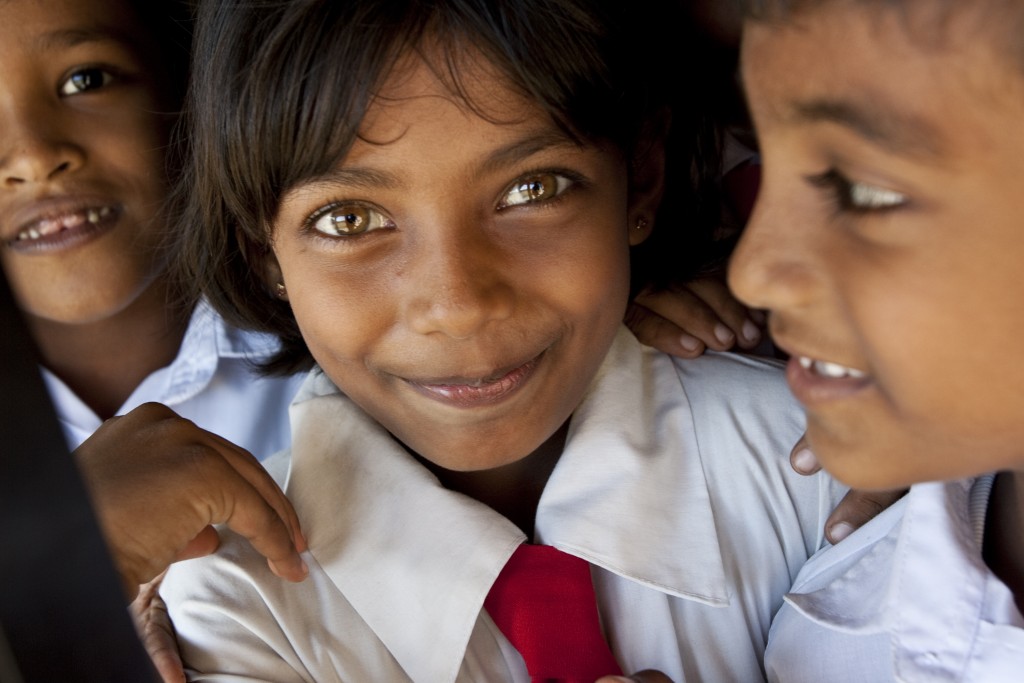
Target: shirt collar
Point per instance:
(399, 546)
(893, 587)
(207, 340)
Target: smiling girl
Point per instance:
(441, 216)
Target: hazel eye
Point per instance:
(84, 80)
(348, 220)
(535, 188)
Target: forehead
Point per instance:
(46, 25)
(870, 71)
(429, 81)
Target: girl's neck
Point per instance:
(513, 490)
(1004, 532)
(104, 361)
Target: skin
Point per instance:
(464, 281)
(907, 269)
(83, 132)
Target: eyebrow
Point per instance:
(887, 127)
(524, 148)
(368, 179)
(67, 38)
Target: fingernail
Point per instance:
(689, 343)
(750, 331)
(839, 531)
(804, 460)
(723, 334)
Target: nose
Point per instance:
(34, 150)
(773, 266)
(458, 287)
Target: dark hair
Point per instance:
(280, 89)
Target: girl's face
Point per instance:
(460, 279)
(888, 240)
(81, 157)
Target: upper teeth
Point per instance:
(50, 226)
(827, 369)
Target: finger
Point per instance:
(690, 314)
(250, 468)
(714, 292)
(856, 509)
(802, 458)
(157, 633)
(248, 513)
(653, 330)
(205, 543)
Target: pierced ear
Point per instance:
(273, 278)
(647, 177)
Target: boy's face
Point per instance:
(81, 155)
(888, 240)
(484, 278)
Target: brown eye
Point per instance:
(349, 219)
(535, 188)
(84, 80)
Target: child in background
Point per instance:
(89, 95)
(887, 244)
(441, 216)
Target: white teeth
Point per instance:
(829, 369)
(51, 226)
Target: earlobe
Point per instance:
(647, 177)
(640, 230)
(273, 278)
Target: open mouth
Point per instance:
(59, 228)
(815, 381)
(828, 369)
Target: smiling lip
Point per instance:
(61, 223)
(814, 382)
(472, 393)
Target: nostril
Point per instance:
(60, 168)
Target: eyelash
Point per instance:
(853, 197)
(108, 76)
(309, 225)
(565, 181)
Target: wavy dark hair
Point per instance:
(280, 89)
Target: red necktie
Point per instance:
(543, 601)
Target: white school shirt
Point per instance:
(674, 484)
(212, 382)
(907, 597)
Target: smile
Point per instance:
(63, 228)
(828, 369)
(51, 226)
(471, 393)
(815, 382)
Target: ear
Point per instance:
(261, 259)
(273, 277)
(647, 177)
